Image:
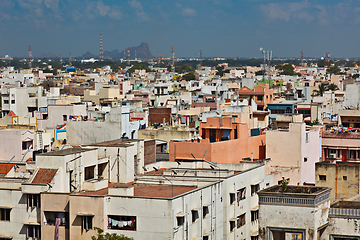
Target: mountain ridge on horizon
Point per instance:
(142, 52)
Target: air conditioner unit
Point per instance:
(332, 155)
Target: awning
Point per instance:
(31, 192)
(8, 237)
(85, 214)
(6, 207)
(181, 214)
(256, 182)
(32, 223)
(233, 219)
(196, 208)
(255, 208)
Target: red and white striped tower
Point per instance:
(30, 56)
(101, 51)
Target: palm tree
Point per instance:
(321, 89)
(332, 87)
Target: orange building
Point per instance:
(261, 94)
(224, 140)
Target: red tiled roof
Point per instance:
(11, 113)
(5, 168)
(76, 146)
(44, 176)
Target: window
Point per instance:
(26, 145)
(50, 218)
(180, 220)
(6, 101)
(241, 220)
(260, 98)
(232, 226)
(64, 117)
(345, 178)
(305, 159)
(205, 238)
(33, 232)
(86, 222)
(205, 211)
(5, 214)
(89, 172)
(101, 169)
(33, 200)
(194, 215)
(307, 138)
(12, 101)
(241, 194)
(306, 84)
(122, 222)
(255, 237)
(254, 189)
(232, 198)
(254, 215)
(322, 177)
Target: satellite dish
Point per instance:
(21, 174)
(261, 49)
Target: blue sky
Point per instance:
(229, 28)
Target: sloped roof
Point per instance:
(44, 176)
(11, 113)
(5, 168)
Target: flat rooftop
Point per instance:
(306, 190)
(346, 205)
(145, 190)
(115, 143)
(67, 151)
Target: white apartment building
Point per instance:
(23, 101)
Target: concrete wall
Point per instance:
(341, 189)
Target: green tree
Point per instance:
(258, 73)
(189, 76)
(332, 87)
(139, 66)
(355, 76)
(169, 68)
(220, 71)
(100, 235)
(288, 69)
(321, 89)
(333, 69)
(321, 63)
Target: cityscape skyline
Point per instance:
(219, 28)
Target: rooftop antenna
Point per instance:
(101, 50)
(172, 59)
(70, 59)
(201, 57)
(30, 56)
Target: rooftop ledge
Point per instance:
(294, 195)
(347, 209)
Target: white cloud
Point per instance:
(139, 10)
(115, 12)
(189, 12)
(103, 9)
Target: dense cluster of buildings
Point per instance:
(153, 156)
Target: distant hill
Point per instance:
(88, 55)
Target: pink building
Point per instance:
(225, 140)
